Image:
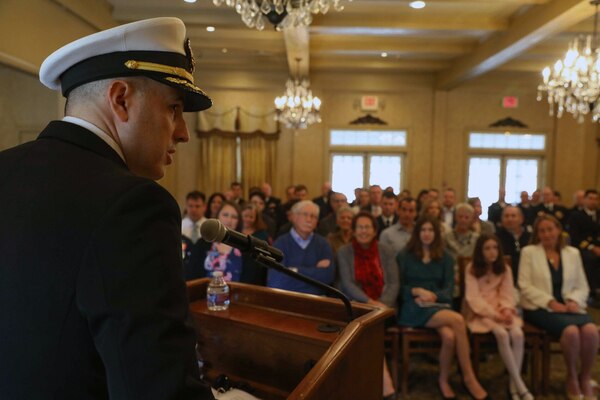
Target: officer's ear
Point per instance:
(120, 97)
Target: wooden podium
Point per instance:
(270, 339)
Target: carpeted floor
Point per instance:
(424, 371)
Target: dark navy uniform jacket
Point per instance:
(92, 300)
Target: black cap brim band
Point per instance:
(114, 65)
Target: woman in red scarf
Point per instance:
(368, 274)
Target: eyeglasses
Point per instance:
(308, 215)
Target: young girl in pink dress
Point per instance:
(490, 306)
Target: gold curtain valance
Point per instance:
(236, 122)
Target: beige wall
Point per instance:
(437, 122)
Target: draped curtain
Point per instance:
(218, 131)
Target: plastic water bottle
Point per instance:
(217, 293)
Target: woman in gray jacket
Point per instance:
(368, 274)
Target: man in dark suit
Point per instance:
(549, 206)
(584, 228)
(513, 236)
(388, 215)
(323, 201)
(99, 309)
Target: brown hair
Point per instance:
(237, 210)
(427, 205)
(259, 222)
(479, 266)
(415, 246)
(364, 214)
(535, 239)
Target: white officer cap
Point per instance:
(155, 48)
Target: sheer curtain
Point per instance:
(218, 130)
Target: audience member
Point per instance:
(238, 193)
(422, 199)
(398, 235)
(290, 193)
(301, 192)
(550, 207)
(304, 252)
(258, 199)
(495, 209)
(363, 201)
(554, 292)
(193, 250)
(578, 197)
(460, 242)
(448, 203)
(404, 193)
(195, 207)
(329, 224)
(513, 236)
(343, 234)
(584, 228)
(388, 215)
(368, 274)
(253, 223)
(272, 203)
(427, 284)
(434, 194)
(490, 306)
(479, 226)
(375, 196)
(235, 266)
(524, 205)
(215, 201)
(323, 200)
(434, 208)
(536, 198)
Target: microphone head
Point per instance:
(212, 230)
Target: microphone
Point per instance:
(212, 230)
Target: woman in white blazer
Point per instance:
(554, 291)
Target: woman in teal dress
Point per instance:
(427, 279)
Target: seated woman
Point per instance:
(427, 282)
(434, 208)
(554, 291)
(235, 266)
(490, 306)
(343, 235)
(215, 201)
(253, 223)
(368, 274)
(259, 200)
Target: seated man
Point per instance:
(304, 252)
(328, 224)
(513, 236)
(584, 227)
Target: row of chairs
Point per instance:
(402, 342)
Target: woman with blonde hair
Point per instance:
(554, 291)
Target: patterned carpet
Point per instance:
(424, 370)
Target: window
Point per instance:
(510, 161)
(364, 158)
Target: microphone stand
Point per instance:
(262, 257)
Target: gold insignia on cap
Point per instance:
(185, 83)
(189, 55)
(165, 69)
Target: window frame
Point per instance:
(505, 154)
(369, 151)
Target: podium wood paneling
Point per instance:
(270, 339)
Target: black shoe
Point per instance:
(390, 397)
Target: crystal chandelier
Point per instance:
(298, 108)
(281, 13)
(573, 85)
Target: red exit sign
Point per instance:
(510, 102)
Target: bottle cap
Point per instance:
(217, 274)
